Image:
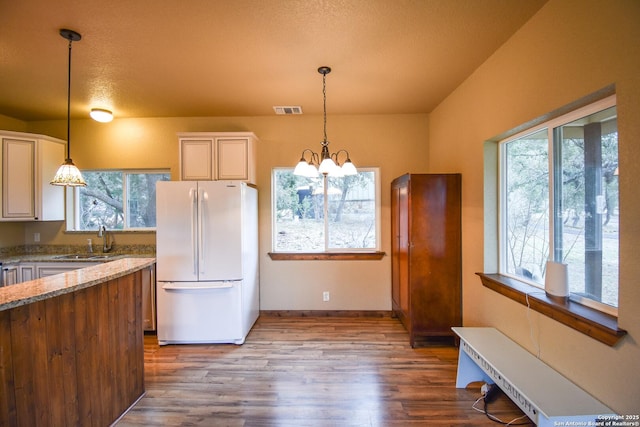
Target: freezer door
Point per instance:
(199, 312)
(220, 239)
(176, 230)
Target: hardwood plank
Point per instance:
(118, 348)
(8, 416)
(28, 345)
(69, 385)
(84, 336)
(105, 395)
(54, 333)
(309, 371)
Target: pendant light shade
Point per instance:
(328, 164)
(68, 174)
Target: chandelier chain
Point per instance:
(324, 106)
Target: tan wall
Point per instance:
(570, 49)
(9, 123)
(395, 143)
(11, 234)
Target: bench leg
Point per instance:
(469, 372)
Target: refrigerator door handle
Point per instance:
(202, 196)
(194, 248)
(218, 285)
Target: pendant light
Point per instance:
(68, 174)
(328, 163)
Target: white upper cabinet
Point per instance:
(206, 156)
(29, 162)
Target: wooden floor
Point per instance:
(309, 371)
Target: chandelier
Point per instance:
(68, 174)
(327, 163)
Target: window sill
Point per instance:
(596, 324)
(324, 256)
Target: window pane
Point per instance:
(588, 234)
(141, 198)
(527, 206)
(352, 211)
(299, 213)
(300, 225)
(101, 201)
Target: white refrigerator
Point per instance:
(207, 261)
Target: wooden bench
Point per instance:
(543, 394)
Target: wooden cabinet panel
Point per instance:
(29, 162)
(426, 259)
(196, 159)
(27, 272)
(10, 276)
(206, 156)
(18, 178)
(233, 158)
(74, 359)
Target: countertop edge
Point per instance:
(48, 287)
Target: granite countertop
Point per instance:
(71, 281)
(84, 257)
(60, 253)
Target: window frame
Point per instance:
(72, 219)
(327, 253)
(550, 126)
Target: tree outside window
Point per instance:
(560, 202)
(325, 213)
(118, 200)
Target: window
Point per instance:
(326, 214)
(559, 201)
(116, 199)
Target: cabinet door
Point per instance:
(395, 246)
(400, 252)
(233, 158)
(27, 272)
(403, 248)
(45, 269)
(49, 198)
(149, 298)
(18, 178)
(196, 157)
(10, 276)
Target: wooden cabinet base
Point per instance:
(75, 359)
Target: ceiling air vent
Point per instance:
(288, 110)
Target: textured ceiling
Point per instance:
(164, 58)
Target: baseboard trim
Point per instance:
(326, 313)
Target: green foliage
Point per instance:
(299, 215)
(101, 202)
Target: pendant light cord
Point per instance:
(69, 104)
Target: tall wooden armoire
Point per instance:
(426, 255)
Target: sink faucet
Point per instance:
(107, 244)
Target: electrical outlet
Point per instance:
(325, 296)
(36, 237)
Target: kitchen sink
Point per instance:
(84, 256)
